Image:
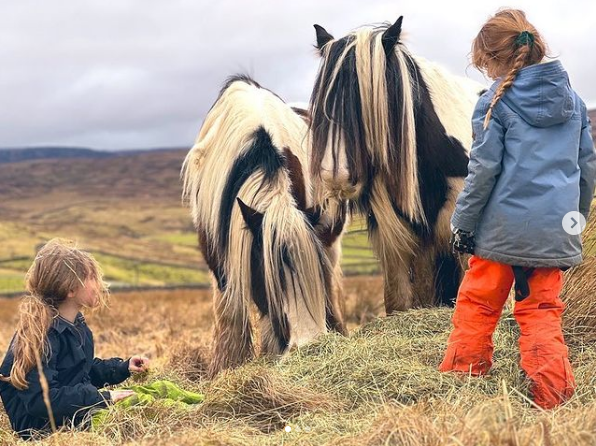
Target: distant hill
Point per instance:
(15, 155)
(131, 174)
(33, 153)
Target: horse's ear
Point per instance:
(313, 215)
(253, 218)
(323, 37)
(391, 36)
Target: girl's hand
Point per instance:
(138, 364)
(117, 395)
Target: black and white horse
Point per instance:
(391, 132)
(248, 186)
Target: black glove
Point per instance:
(462, 242)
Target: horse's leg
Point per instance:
(394, 244)
(395, 264)
(397, 285)
(334, 308)
(435, 277)
(422, 274)
(269, 343)
(232, 339)
(449, 267)
(448, 277)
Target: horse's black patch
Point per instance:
(262, 155)
(371, 222)
(439, 155)
(279, 322)
(329, 233)
(257, 269)
(294, 168)
(213, 261)
(281, 329)
(447, 279)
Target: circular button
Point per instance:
(574, 223)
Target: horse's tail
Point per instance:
(296, 272)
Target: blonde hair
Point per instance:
(498, 51)
(59, 268)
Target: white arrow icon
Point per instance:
(574, 223)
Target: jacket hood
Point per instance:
(541, 94)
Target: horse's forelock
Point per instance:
(335, 107)
(363, 103)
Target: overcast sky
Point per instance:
(142, 73)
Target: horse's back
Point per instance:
(246, 121)
(246, 107)
(453, 97)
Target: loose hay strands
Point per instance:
(379, 386)
(262, 398)
(579, 291)
(396, 359)
(579, 295)
(188, 360)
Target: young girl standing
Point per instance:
(531, 163)
(52, 332)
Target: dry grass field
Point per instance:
(379, 386)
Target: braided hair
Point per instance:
(506, 43)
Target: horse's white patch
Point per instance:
(453, 98)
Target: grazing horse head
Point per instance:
(246, 180)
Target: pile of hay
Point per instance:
(579, 291)
(579, 294)
(379, 386)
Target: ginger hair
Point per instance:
(496, 50)
(59, 268)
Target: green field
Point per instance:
(135, 249)
(126, 210)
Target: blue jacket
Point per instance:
(73, 375)
(533, 164)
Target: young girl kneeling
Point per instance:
(52, 333)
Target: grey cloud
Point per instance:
(138, 73)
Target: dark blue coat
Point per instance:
(533, 164)
(73, 375)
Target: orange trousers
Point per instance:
(544, 355)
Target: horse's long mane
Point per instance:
(361, 89)
(251, 147)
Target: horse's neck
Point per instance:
(453, 98)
